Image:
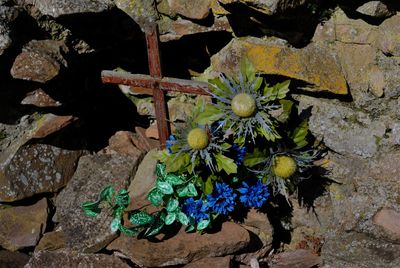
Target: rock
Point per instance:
(122, 143)
(192, 9)
(7, 16)
(174, 29)
(145, 176)
(51, 241)
(268, 7)
(22, 226)
(94, 172)
(359, 250)
(183, 247)
(39, 98)
(57, 8)
(217, 262)
(12, 259)
(37, 168)
(300, 258)
(51, 124)
(376, 9)
(67, 259)
(322, 73)
(142, 142)
(258, 223)
(344, 129)
(389, 220)
(40, 61)
(143, 12)
(388, 40)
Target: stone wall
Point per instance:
(64, 135)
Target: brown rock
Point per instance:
(183, 247)
(52, 123)
(94, 172)
(51, 241)
(376, 9)
(323, 73)
(142, 142)
(22, 226)
(12, 259)
(300, 258)
(389, 220)
(192, 9)
(122, 143)
(39, 98)
(217, 262)
(40, 61)
(37, 168)
(388, 40)
(69, 259)
(269, 7)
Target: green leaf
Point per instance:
(118, 211)
(122, 199)
(210, 114)
(115, 224)
(182, 191)
(130, 231)
(209, 185)
(170, 218)
(218, 86)
(282, 89)
(225, 146)
(286, 110)
(192, 192)
(172, 205)
(299, 134)
(160, 170)
(225, 163)
(203, 225)
(140, 218)
(91, 209)
(107, 194)
(247, 69)
(174, 179)
(182, 218)
(255, 158)
(155, 196)
(177, 162)
(157, 224)
(190, 228)
(164, 187)
(257, 83)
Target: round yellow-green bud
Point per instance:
(243, 105)
(197, 139)
(284, 166)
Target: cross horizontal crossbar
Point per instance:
(147, 81)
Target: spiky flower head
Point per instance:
(284, 166)
(197, 138)
(243, 106)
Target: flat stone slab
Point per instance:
(94, 172)
(183, 247)
(22, 226)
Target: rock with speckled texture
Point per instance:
(7, 15)
(94, 172)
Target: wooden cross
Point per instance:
(156, 82)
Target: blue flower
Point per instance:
(170, 142)
(253, 195)
(222, 199)
(196, 209)
(239, 152)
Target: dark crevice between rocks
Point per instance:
(297, 26)
(206, 22)
(126, 260)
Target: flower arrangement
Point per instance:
(236, 152)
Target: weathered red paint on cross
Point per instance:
(156, 82)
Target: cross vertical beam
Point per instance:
(160, 105)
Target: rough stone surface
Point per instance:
(90, 234)
(376, 9)
(183, 247)
(12, 259)
(22, 226)
(37, 168)
(389, 220)
(68, 259)
(301, 258)
(217, 262)
(56, 8)
(322, 73)
(145, 176)
(122, 143)
(359, 250)
(142, 12)
(192, 9)
(269, 7)
(388, 40)
(39, 98)
(7, 15)
(51, 241)
(40, 61)
(344, 129)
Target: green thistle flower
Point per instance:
(243, 107)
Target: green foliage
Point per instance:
(299, 135)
